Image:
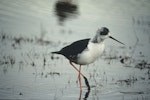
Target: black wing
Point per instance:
(71, 51)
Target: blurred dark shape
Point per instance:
(44, 61)
(52, 57)
(65, 9)
(135, 93)
(20, 93)
(33, 64)
(142, 65)
(130, 81)
(54, 73)
(122, 60)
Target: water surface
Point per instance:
(31, 29)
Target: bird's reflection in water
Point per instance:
(65, 9)
(87, 92)
(85, 96)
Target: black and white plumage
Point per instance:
(86, 51)
(73, 50)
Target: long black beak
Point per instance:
(116, 40)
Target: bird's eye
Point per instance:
(103, 33)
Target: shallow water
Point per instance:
(31, 29)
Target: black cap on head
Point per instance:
(104, 31)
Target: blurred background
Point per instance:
(31, 29)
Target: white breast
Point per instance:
(90, 54)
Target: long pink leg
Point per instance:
(80, 78)
(76, 69)
(79, 75)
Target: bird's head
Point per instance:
(103, 34)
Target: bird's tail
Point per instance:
(56, 52)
